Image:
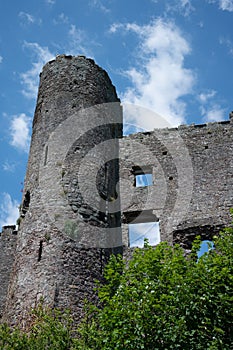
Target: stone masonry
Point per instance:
(192, 186)
(8, 240)
(72, 214)
(63, 242)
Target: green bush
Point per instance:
(158, 300)
(49, 329)
(163, 300)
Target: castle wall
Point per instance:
(8, 239)
(72, 213)
(68, 223)
(192, 190)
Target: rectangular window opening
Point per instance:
(142, 225)
(139, 232)
(143, 176)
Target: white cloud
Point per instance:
(50, 2)
(224, 5)
(228, 43)
(78, 42)
(26, 17)
(213, 113)
(205, 96)
(159, 80)
(20, 132)
(1, 59)
(99, 5)
(9, 211)
(184, 7)
(30, 79)
(62, 18)
(9, 166)
(211, 110)
(114, 27)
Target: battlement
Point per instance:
(9, 230)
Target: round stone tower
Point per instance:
(70, 214)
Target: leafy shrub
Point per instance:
(49, 329)
(160, 299)
(164, 300)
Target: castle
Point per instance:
(86, 186)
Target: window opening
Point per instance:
(139, 232)
(142, 176)
(26, 202)
(142, 225)
(40, 251)
(205, 247)
(46, 155)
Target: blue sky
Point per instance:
(173, 57)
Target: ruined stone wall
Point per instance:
(72, 210)
(8, 239)
(192, 190)
(68, 226)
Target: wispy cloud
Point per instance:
(159, 78)
(9, 166)
(183, 7)
(20, 132)
(211, 110)
(1, 59)
(30, 79)
(61, 18)
(79, 44)
(224, 5)
(99, 5)
(205, 96)
(9, 211)
(26, 18)
(228, 43)
(213, 113)
(50, 2)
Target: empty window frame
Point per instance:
(139, 232)
(143, 176)
(142, 225)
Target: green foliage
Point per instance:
(162, 300)
(49, 329)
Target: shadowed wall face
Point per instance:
(8, 239)
(71, 207)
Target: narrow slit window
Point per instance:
(143, 176)
(46, 155)
(40, 251)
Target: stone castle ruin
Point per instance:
(87, 186)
